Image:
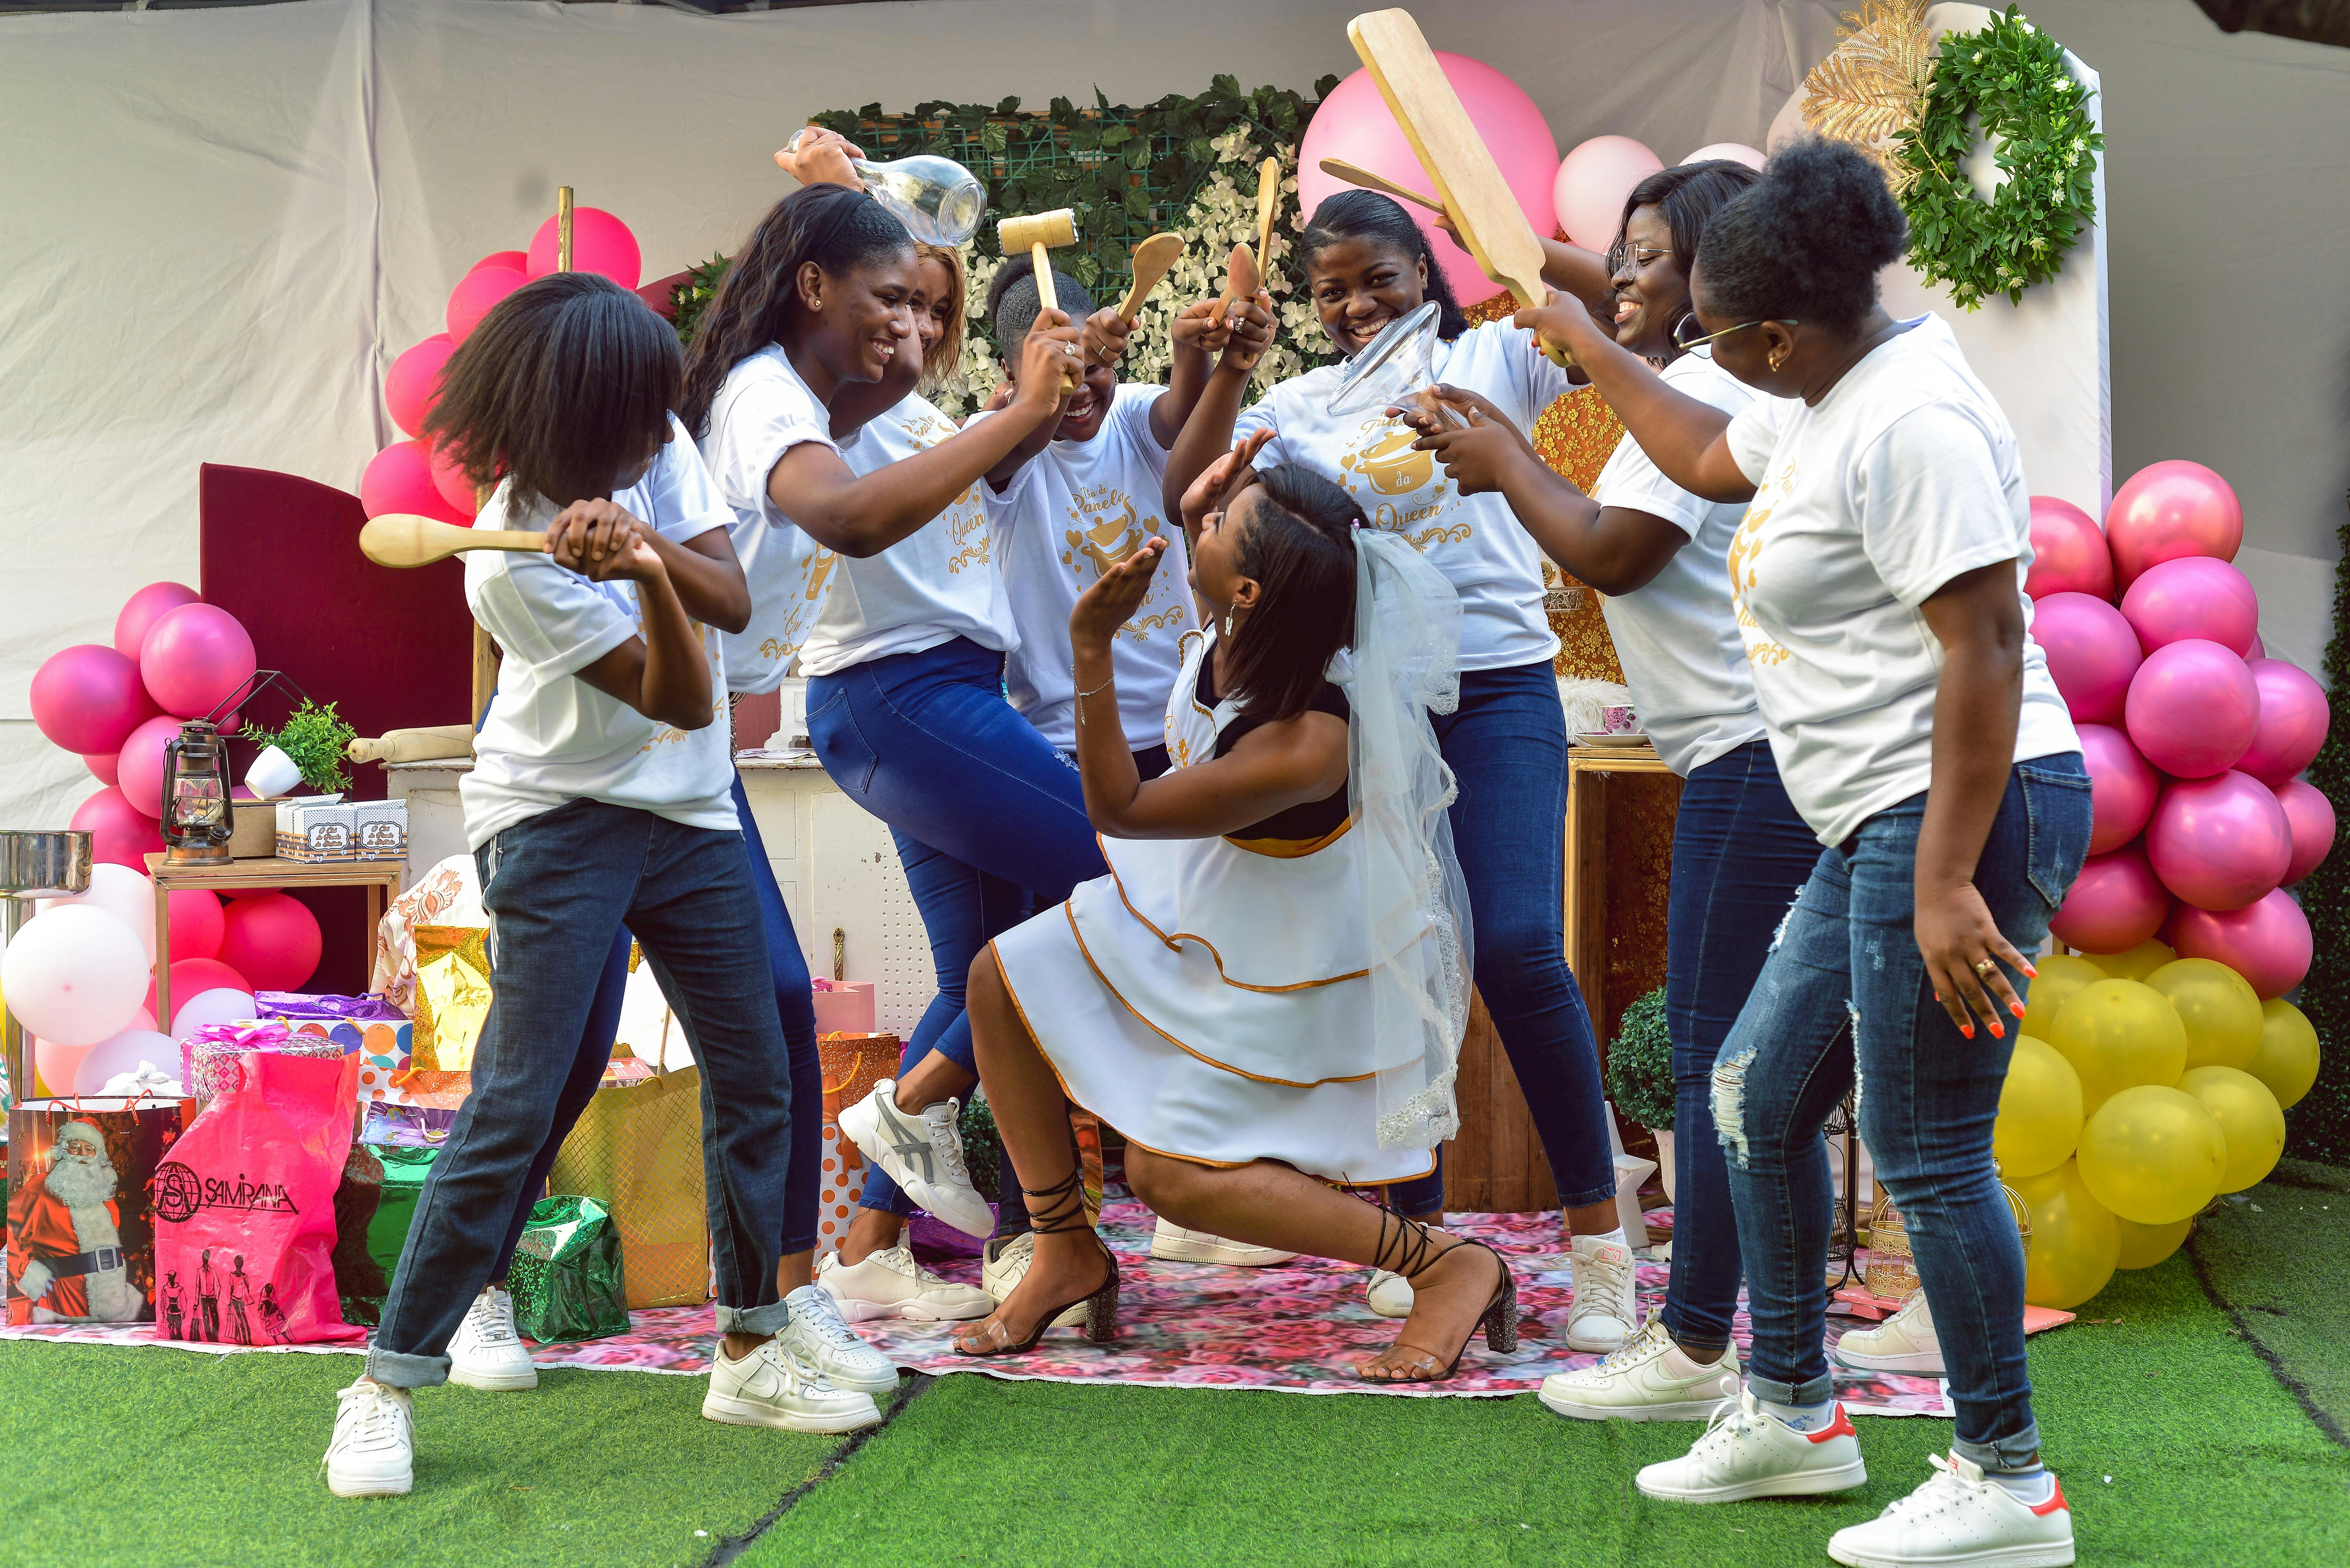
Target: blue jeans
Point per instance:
(557, 887)
(1506, 743)
(1845, 1001)
(1740, 855)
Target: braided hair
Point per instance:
(1013, 303)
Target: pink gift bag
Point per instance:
(244, 1207)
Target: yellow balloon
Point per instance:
(2153, 1153)
(2119, 1034)
(2061, 974)
(2250, 1119)
(2136, 964)
(2217, 1006)
(2039, 1111)
(2287, 1059)
(2142, 1246)
(2075, 1243)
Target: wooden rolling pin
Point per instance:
(424, 745)
(402, 539)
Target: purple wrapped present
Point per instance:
(322, 1004)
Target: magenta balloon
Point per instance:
(519, 260)
(2219, 843)
(2115, 903)
(2068, 552)
(2258, 651)
(2268, 943)
(2294, 721)
(475, 292)
(1594, 181)
(2122, 787)
(106, 770)
(2169, 510)
(142, 609)
(399, 479)
(195, 658)
(2192, 708)
(413, 381)
(2194, 596)
(88, 698)
(449, 482)
(599, 242)
(2092, 654)
(197, 924)
(2311, 816)
(274, 939)
(120, 833)
(139, 771)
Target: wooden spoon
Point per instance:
(1153, 259)
(1355, 174)
(402, 539)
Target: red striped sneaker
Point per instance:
(1749, 1452)
(1959, 1517)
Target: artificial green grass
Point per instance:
(2280, 1258)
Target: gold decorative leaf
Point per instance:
(1871, 87)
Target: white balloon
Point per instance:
(123, 1054)
(76, 975)
(222, 1004)
(127, 895)
(1736, 151)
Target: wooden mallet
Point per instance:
(403, 539)
(1036, 233)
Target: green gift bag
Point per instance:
(566, 1281)
(404, 1170)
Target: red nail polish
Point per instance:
(1997, 1033)
(1968, 1029)
(2029, 970)
(2016, 1008)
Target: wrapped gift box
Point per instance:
(843, 1006)
(331, 828)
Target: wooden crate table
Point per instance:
(381, 878)
(1620, 806)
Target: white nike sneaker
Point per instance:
(923, 1154)
(1388, 1295)
(374, 1451)
(1000, 1269)
(1171, 1243)
(1905, 1342)
(831, 1346)
(485, 1352)
(1749, 1452)
(889, 1284)
(1959, 1517)
(1643, 1382)
(775, 1385)
(1605, 1311)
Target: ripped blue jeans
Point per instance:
(1844, 999)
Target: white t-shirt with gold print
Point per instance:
(762, 411)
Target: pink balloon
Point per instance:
(413, 382)
(88, 698)
(519, 260)
(1353, 123)
(1594, 182)
(1734, 152)
(2192, 708)
(599, 242)
(193, 977)
(2092, 654)
(273, 939)
(2122, 787)
(474, 295)
(2311, 816)
(138, 770)
(55, 1063)
(2169, 510)
(2068, 552)
(105, 770)
(2294, 721)
(2194, 596)
(399, 479)
(2219, 843)
(450, 483)
(2258, 651)
(196, 924)
(142, 609)
(119, 832)
(2115, 903)
(2268, 943)
(195, 658)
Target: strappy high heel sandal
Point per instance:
(1066, 1212)
(1408, 1249)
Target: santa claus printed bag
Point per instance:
(81, 1235)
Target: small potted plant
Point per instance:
(1640, 1076)
(313, 739)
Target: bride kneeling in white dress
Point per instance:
(1266, 994)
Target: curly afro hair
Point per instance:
(1805, 242)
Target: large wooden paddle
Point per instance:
(403, 539)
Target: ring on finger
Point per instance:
(1985, 968)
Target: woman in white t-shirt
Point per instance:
(1367, 264)
(1878, 578)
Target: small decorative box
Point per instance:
(327, 827)
(843, 1006)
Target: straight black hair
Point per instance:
(1806, 241)
(834, 227)
(1688, 194)
(1300, 547)
(1368, 215)
(563, 387)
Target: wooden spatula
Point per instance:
(402, 539)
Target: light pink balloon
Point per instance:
(88, 698)
(2268, 943)
(2115, 903)
(142, 609)
(195, 658)
(124, 1052)
(2311, 816)
(55, 1063)
(474, 295)
(399, 479)
(139, 771)
(1353, 123)
(2122, 787)
(120, 833)
(2192, 708)
(2194, 596)
(106, 769)
(2168, 510)
(1735, 151)
(413, 381)
(599, 242)
(2219, 843)
(449, 481)
(2092, 654)
(2068, 552)
(2294, 721)
(1594, 182)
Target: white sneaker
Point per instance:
(1000, 1270)
(1749, 1452)
(889, 1284)
(1171, 1243)
(1605, 1311)
(775, 1385)
(1388, 1295)
(923, 1154)
(831, 1346)
(485, 1352)
(1904, 1342)
(1642, 1382)
(374, 1451)
(1959, 1517)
